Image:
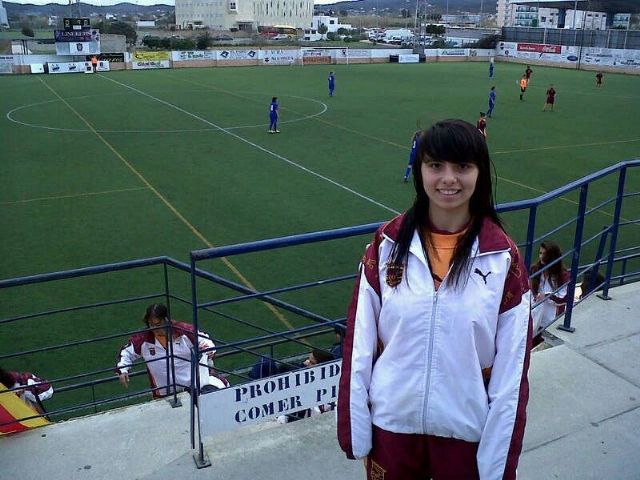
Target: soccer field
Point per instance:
(124, 165)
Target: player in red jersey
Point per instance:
(551, 98)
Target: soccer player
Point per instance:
(551, 98)
(481, 125)
(528, 73)
(492, 101)
(491, 66)
(412, 155)
(273, 116)
(599, 77)
(332, 83)
(523, 85)
(94, 63)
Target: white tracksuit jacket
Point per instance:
(413, 358)
(145, 345)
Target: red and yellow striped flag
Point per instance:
(11, 409)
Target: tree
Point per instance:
(119, 28)
(203, 41)
(488, 42)
(343, 13)
(27, 30)
(322, 29)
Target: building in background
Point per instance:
(512, 14)
(243, 15)
(4, 21)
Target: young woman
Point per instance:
(153, 346)
(549, 288)
(434, 371)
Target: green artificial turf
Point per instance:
(133, 164)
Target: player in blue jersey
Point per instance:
(412, 155)
(492, 101)
(491, 67)
(332, 83)
(273, 116)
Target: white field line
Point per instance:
(256, 146)
(75, 195)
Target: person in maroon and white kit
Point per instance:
(481, 124)
(31, 389)
(551, 98)
(152, 345)
(435, 359)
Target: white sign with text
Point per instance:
(265, 399)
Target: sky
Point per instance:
(135, 2)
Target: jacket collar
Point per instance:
(491, 238)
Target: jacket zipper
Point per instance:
(429, 359)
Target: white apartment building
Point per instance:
(332, 23)
(3, 15)
(518, 15)
(502, 13)
(586, 20)
(245, 15)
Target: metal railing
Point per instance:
(284, 321)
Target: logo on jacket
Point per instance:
(483, 275)
(377, 472)
(394, 274)
(152, 351)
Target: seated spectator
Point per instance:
(152, 346)
(316, 357)
(549, 288)
(31, 389)
(586, 286)
(336, 348)
(265, 367)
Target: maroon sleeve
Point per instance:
(516, 285)
(22, 378)
(369, 266)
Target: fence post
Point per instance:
(528, 253)
(575, 262)
(175, 401)
(614, 233)
(200, 458)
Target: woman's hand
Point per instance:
(124, 379)
(203, 346)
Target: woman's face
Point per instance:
(449, 186)
(155, 322)
(542, 255)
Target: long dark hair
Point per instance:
(5, 378)
(554, 272)
(156, 310)
(454, 141)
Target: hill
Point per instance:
(435, 6)
(85, 9)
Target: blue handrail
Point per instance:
(621, 265)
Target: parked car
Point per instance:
(222, 38)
